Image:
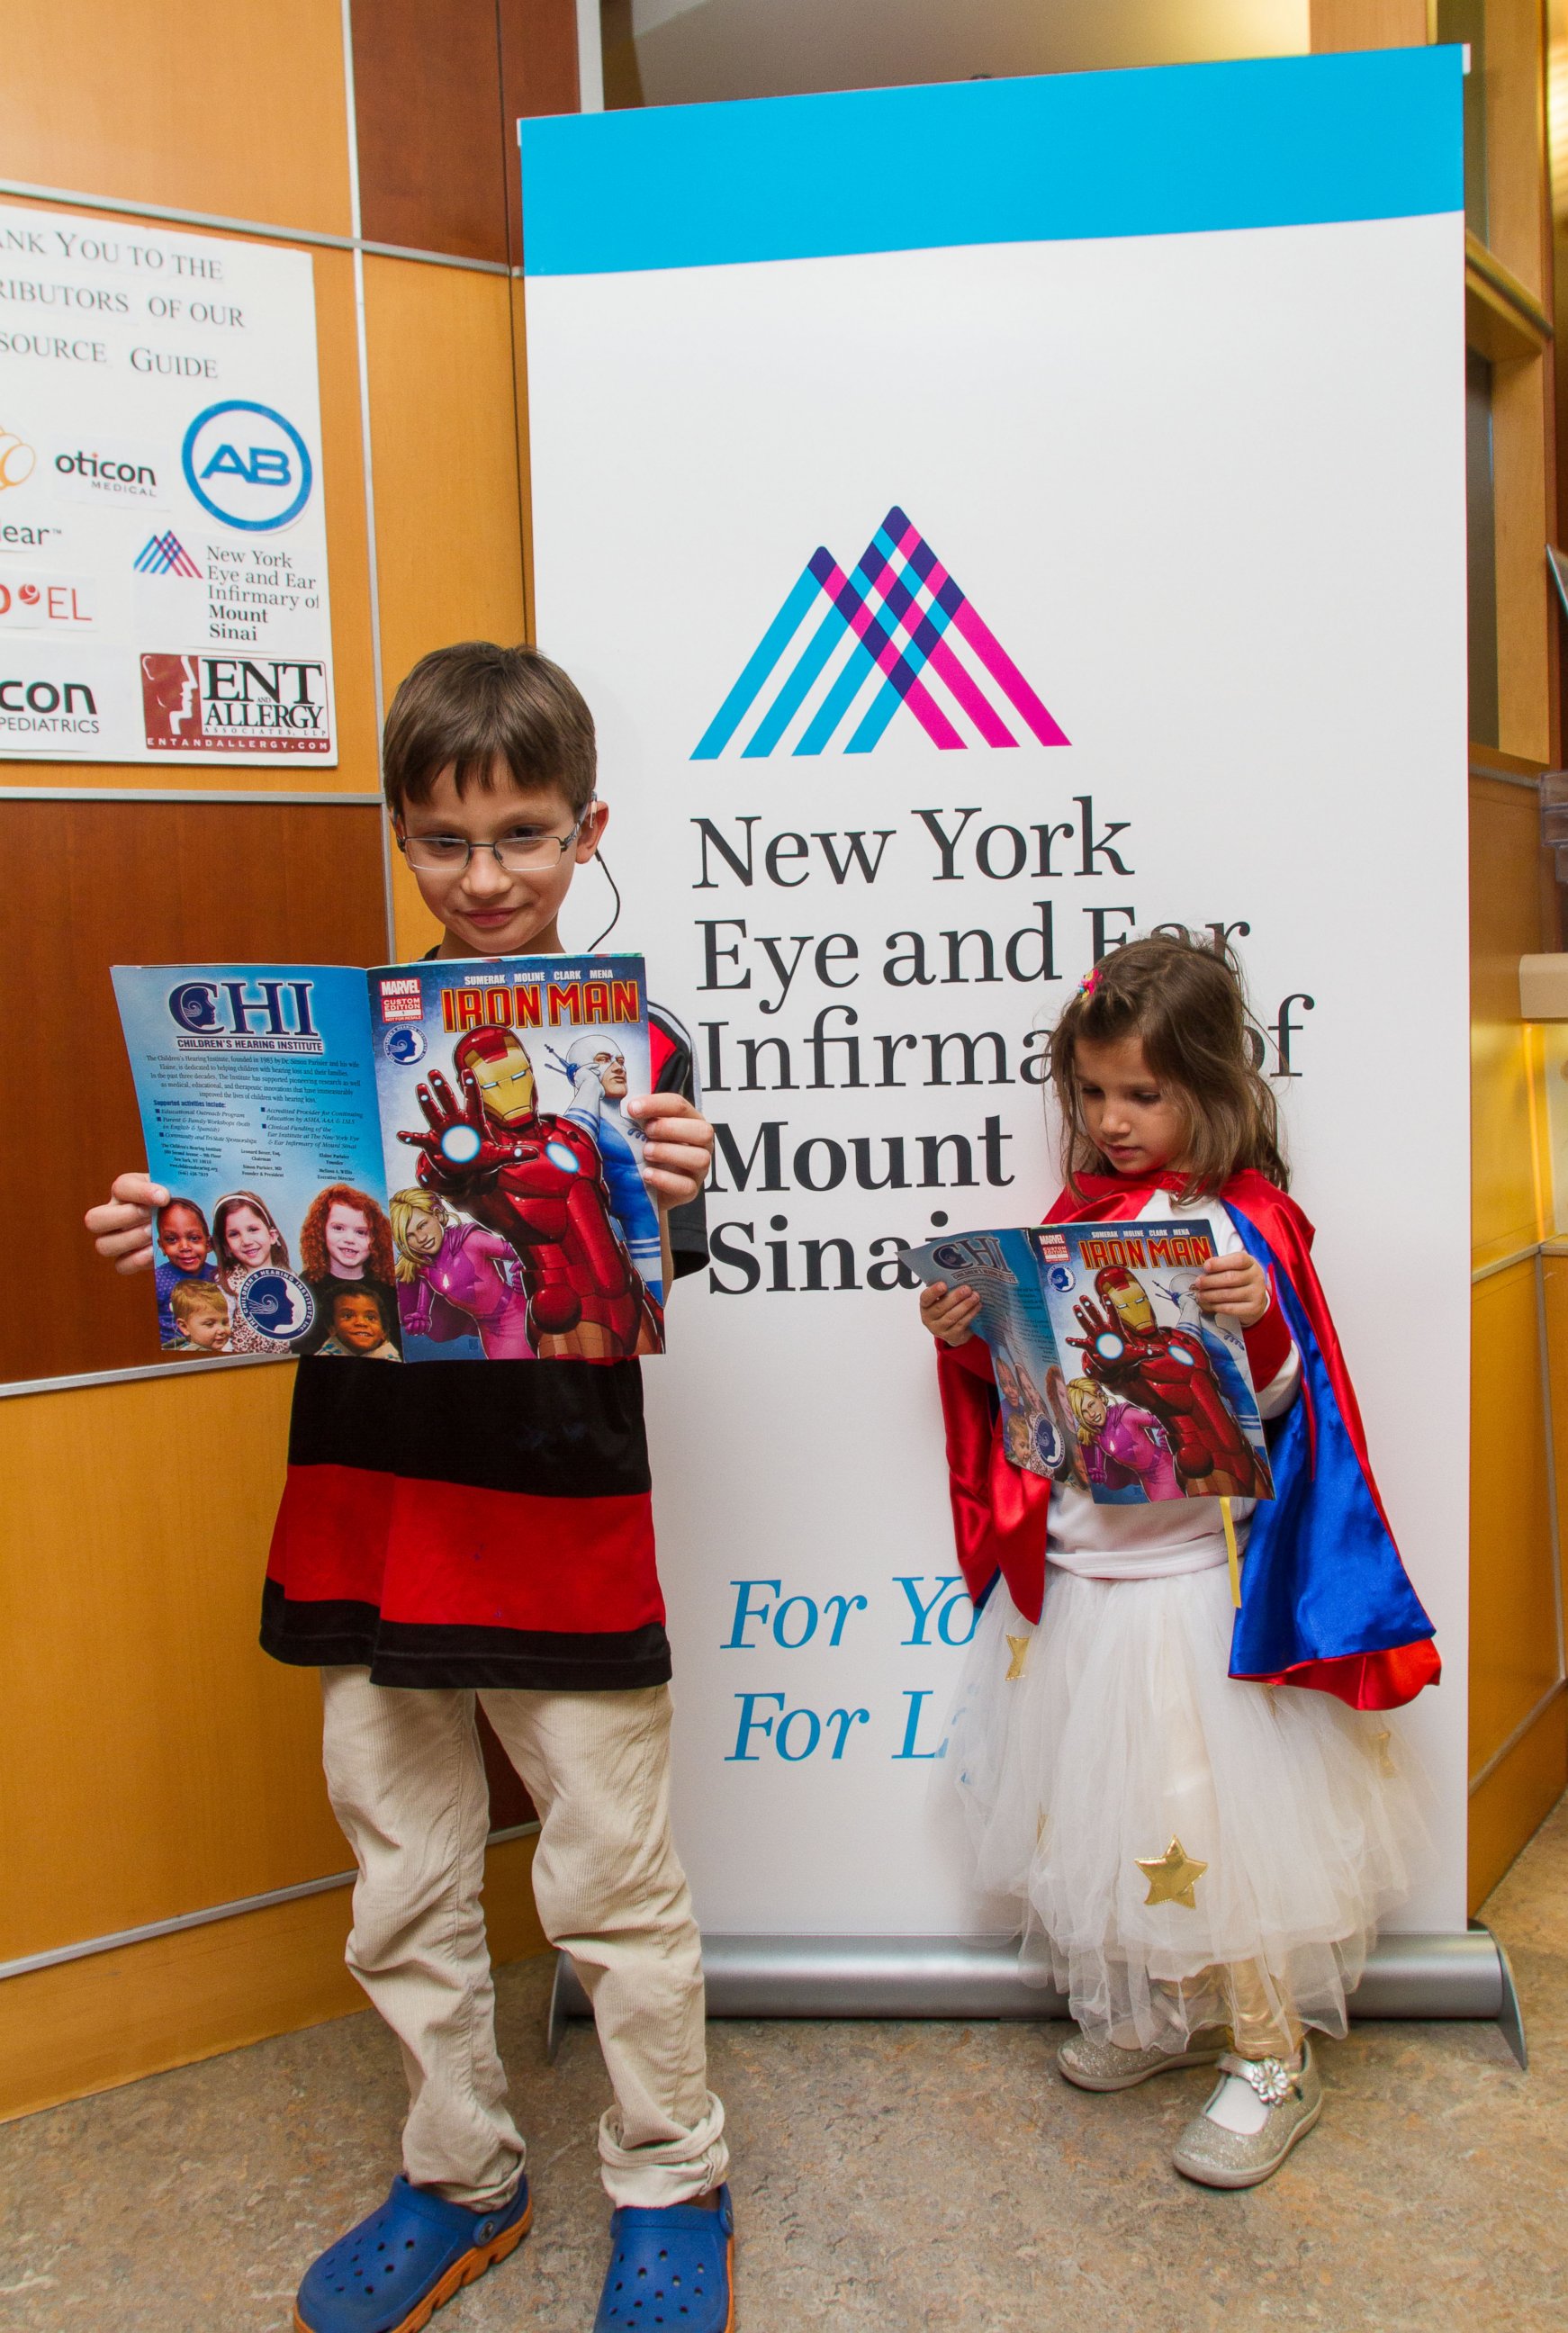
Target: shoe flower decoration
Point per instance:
(1271, 2078)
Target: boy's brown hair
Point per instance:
(1186, 1003)
(189, 1296)
(475, 706)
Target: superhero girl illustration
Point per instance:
(346, 1241)
(538, 1180)
(455, 1279)
(245, 1237)
(1171, 1373)
(1125, 1450)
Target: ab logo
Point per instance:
(247, 465)
(897, 632)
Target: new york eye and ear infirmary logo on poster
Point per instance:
(163, 569)
(844, 652)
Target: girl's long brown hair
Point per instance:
(227, 1266)
(1184, 1000)
(316, 1262)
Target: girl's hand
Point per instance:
(949, 1313)
(1234, 1285)
(122, 1227)
(676, 1149)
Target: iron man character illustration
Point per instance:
(537, 1179)
(1169, 1372)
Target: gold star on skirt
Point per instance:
(1019, 1648)
(1172, 1876)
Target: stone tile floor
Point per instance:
(888, 2177)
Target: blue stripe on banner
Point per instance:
(763, 657)
(1176, 150)
(792, 694)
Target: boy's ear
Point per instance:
(590, 833)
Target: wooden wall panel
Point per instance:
(1513, 1659)
(1505, 925)
(137, 883)
(431, 141)
(195, 103)
(448, 527)
(1523, 497)
(356, 770)
(1368, 24)
(538, 75)
(92, 2024)
(1515, 1799)
(152, 1758)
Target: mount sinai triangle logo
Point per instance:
(896, 631)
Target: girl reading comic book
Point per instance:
(1203, 1813)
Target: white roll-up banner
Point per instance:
(987, 522)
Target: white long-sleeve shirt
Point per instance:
(1154, 1539)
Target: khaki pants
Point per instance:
(407, 1781)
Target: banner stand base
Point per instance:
(1421, 1976)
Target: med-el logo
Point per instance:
(914, 638)
(247, 465)
(164, 554)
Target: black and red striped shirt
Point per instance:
(480, 1523)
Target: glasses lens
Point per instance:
(436, 853)
(522, 853)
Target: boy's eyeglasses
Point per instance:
(519, 854)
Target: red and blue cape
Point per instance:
(1325, 1600)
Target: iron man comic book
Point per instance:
(425, 1162)
(1106, 1368)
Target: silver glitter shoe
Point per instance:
(1092, 2065)
(1217, 2158)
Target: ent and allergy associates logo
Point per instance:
(845, 652)
(197, 703)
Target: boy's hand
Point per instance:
(949, 1313)
(677, 1146)
(1234, 1285)
(122, 1227)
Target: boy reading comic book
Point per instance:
(483, 1530)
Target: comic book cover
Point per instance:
(1014, 1321)
(1106, 1368)
(424, 1162)
(520, 1221)
(1161, 1392)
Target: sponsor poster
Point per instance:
(163, 561)
(1038, 516)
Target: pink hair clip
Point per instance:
(1090, 982)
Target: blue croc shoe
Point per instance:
(673, 2268)
(393, 2272)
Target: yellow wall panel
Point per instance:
(153, 1761)
(1514, 1658)
(1505, 925)
(443, 432)
(443, 435)
(91, 2024)
(1515, 1799)
(203, 105)
(1555, 1274)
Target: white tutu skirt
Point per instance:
(1119, 1733)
